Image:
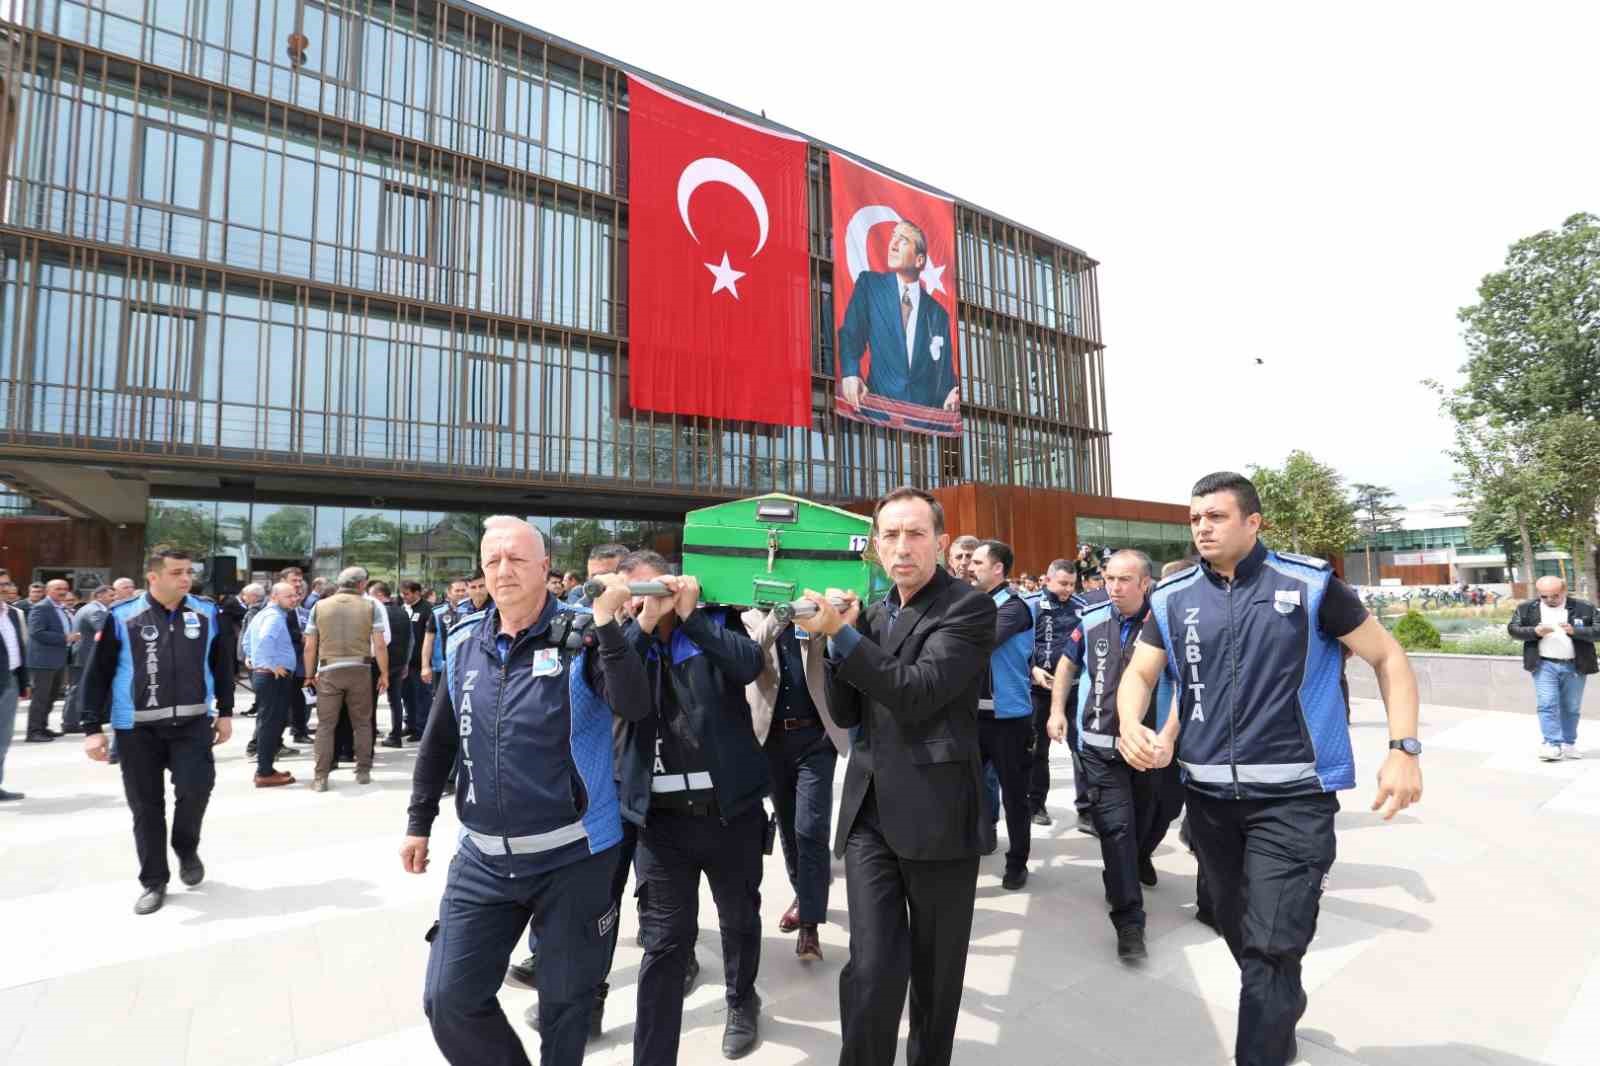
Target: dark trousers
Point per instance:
(273, 696)
(47, 687)
(299, 711)
(480, 920)
(909, 920)
(1080, 785)
(802, 763)
(183, 747)
(1264, 862)
(1132, 811)
(417, 698)
(674, 850)
(397, 703)
(1039, 767)
(619, 881)
(1003, 743)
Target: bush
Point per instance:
(1485, 644)
(1416, 633)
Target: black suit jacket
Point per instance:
(913, 692)
(1585, 629)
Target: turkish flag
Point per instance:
(719, 305)
(894, 301)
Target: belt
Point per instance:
(790, 724)
(531, 844)
(670, 805)
(698, 781)
(161, 714)
(1097, 740)
(1547, 659)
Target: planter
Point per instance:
(1479, 682)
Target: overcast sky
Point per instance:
(1318, 188)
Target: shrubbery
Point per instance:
(1416, 633)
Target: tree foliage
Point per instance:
(1526, 415)
(1304, 507)
(1416, 633)
(1376, 512)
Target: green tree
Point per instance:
(573, 538)
(372, 541)
(1531, 392)
(284, 533)
(1533, 337)
(1304, 508)
(192, 527)
(1375, 513)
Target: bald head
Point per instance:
(1552, 590)
(515, 567)
(285, 594)
(57, 590)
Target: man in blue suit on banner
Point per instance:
(906, 330)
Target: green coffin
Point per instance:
(768, 549)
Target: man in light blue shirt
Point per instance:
(269, 649)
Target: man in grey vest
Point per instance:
(344, 630)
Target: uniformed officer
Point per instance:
(1054, 619)
(455, 607)
(536, 800)
(1132, 809)
(1261, 734)
(1005, 711)
(162, 678)
(692, 780)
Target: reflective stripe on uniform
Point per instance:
(528, 845)
(1097, 740)
(681, 782)
(157, 714)
(1261, 773)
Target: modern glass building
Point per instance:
(368, 257)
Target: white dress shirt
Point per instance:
(8, 632)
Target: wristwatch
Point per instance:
(1409, 745)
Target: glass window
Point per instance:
(332, 45)
(161, 347)
(233, 532)
(281, 532)
(329, 541)
(406, 227)
(372, 540)
(488, 391)
(185, 524)
(173, 167)
(521, 106)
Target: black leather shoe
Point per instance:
(1147, 873)
(151, 900)
(303, 738)
(1086, 825)
(38, 738)
(393, 742)
(4, 795)
(691, 973)
(1042, 817)
(522, 974)
(1130, 944)
(191, 871)
(251, 748)
(1014, 879)
(742, 1029)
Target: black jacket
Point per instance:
(709, 689)
(399, 639)
(909, 696)
(1584, 631)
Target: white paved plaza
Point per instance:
(1462, 934)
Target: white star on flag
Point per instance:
(726, 276)
(933, 277)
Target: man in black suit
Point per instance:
(903, 678)
(907, 330)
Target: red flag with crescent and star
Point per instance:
(894, 301)
(719, 305)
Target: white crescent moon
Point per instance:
(709, 169)
(855, 235)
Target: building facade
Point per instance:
(369, 257)
(1445, 555)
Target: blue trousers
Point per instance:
(1559, 689)
(480, 921)
(802, 764)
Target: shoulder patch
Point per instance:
(1305, 560)
(1186, 572)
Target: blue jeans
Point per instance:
(1559, 689)
(8, 717)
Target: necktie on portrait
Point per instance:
(905, 306)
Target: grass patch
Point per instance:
(1484, 644)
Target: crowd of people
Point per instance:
(586, 730)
